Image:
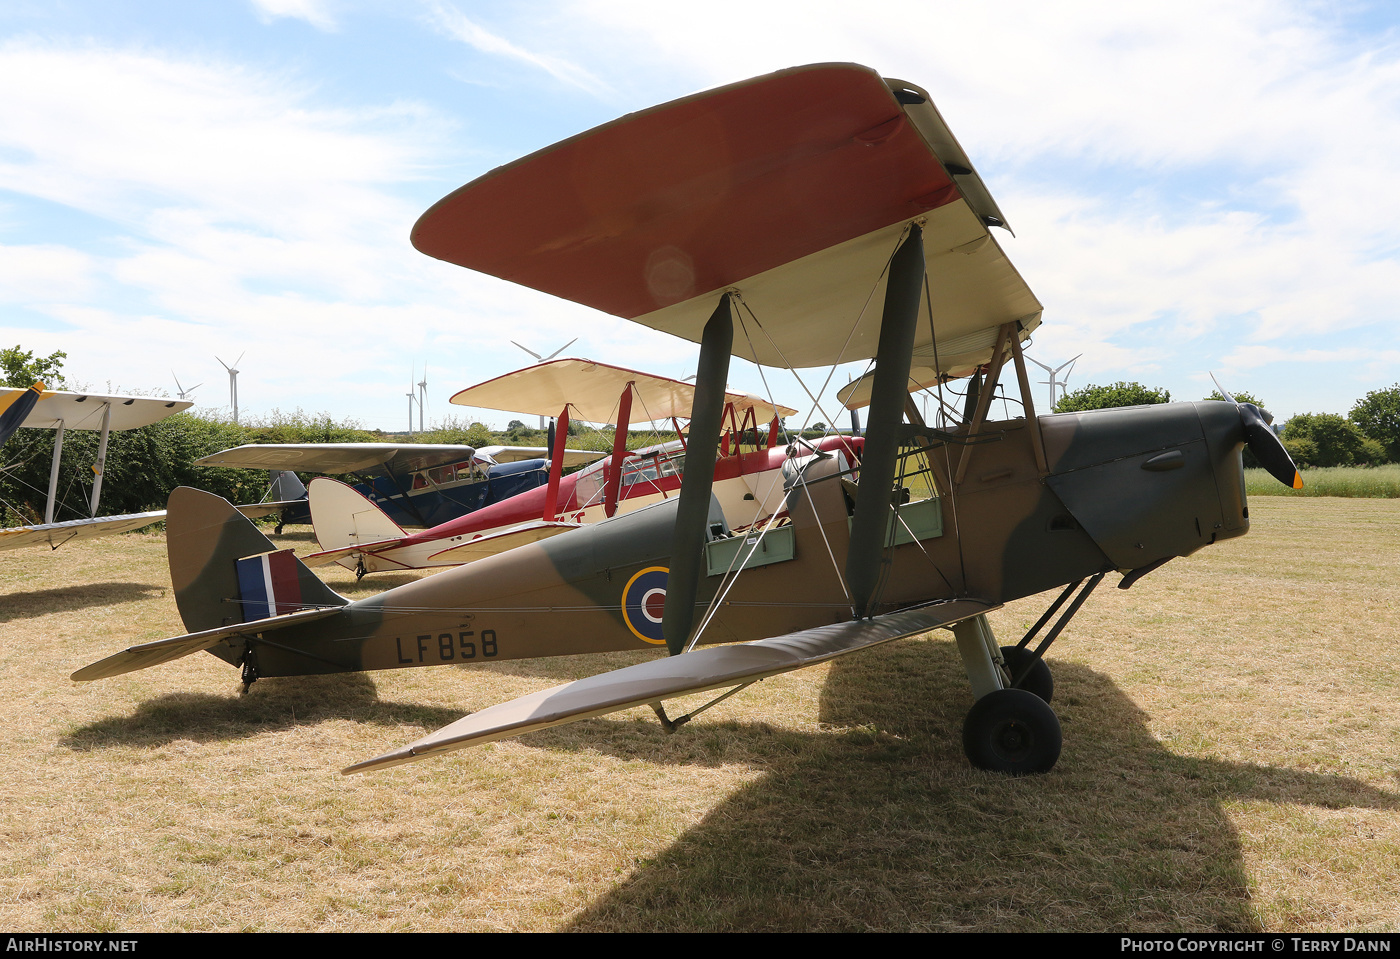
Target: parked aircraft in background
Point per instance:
(414, 484)
(354, 534)
(61, 410)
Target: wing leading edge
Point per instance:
(674, 676)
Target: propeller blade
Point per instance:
(1267, 447)
(1222, 390)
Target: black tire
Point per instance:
(1038, 680)
(1012, 731)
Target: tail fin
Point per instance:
(285, 485)
(342, 517)
(205, 538)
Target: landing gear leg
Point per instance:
(250, 670)
(1007, 730)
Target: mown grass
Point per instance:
(1230, 723)
(1356, 482)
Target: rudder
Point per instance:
(205, 537)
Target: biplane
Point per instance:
(810, 217)
(60, 411)
(748, 477)
(415, 484)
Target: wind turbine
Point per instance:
(543, 359)
(422, 395)
(233, 383)
(1055, 379)
(184, 393)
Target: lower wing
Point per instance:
(661, 679)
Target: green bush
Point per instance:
(1094, 397)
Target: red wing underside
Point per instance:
(793, 188)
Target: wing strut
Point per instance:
(53, 473)
(882, 431)
(556, 465)
(619, 451)
(100, 466)
(706, 415)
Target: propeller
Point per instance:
(1263, 442)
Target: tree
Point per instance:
(1378, 416)
(1326, 439)
(22, 368)
(1094, 397)
(1250, 460)
(1239, 398)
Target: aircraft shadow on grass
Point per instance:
(884, 818)
(879, 813)
(276, 704)
(62, 599)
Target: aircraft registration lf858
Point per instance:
(761, 219)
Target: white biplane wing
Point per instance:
(797, 208)
(61, 410)
(663, 679)
(339, 457)
(592, 389)
(56, 534)
(85, 411)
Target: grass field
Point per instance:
(1231, 731)
(1382, 482)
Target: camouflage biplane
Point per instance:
(810, 217)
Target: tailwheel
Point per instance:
(1012, 731)
(1018, 660)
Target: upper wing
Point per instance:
(339, 457)
(792, 189)
(56, 534)
(85, 411)
(676, 676)
(592, 390)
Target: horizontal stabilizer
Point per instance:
(164, 650)
(348, 556)
(673, 676)
(258, 510)
(490, 545)
(56, 534)
(515, 454)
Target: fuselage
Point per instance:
(1125, 489)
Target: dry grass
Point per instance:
(1230, 724)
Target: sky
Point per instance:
(1194, 187)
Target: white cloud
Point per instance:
(445, 17)
(315, 12)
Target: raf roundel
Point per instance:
(643, 602)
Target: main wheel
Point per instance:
(1012, 731)
(1038, 681)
